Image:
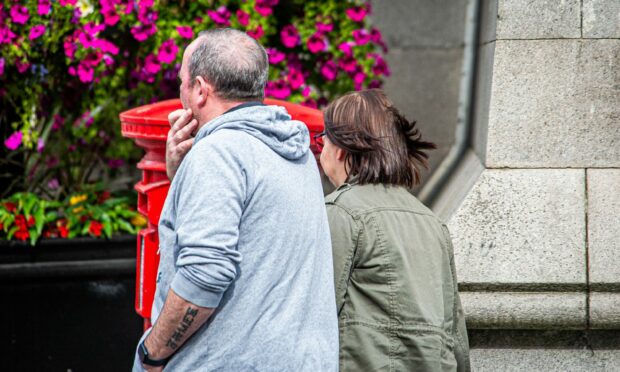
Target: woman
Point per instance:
(396, 287)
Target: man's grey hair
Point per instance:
(233, 62)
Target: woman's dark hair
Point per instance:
(381, 145)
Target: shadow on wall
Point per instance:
(426, 45)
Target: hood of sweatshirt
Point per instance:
(270, 124)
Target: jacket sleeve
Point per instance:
(461, 341)
(344, 233)
(209, 204)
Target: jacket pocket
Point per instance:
(422, 350)
(374, 347)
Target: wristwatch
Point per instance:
(144, 357)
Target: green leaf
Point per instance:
(28, 204)
(39, 219)
(107, 228)
(33, 236)
(126, 213)
(11, 232)
(126, 226)
(8, 221)
(51, 216)
(85, 229)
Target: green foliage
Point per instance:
(26, 217)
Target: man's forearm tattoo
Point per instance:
(179, 333)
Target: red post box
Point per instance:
(148, 126)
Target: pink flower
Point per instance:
(6, 35)
(357, 13)
(40, 145)
(146, 3)
(14, 141)
(86, 119)
(317, 43)
(306, 92)
(143, 32)
(105, 46)
(92, 29)
(329, 70)
(377, 38)
(43, 7)
(108, 60)
(292, 61)
(295, 79)
(185, 32)
(289, 36)
(85, 72)
(36, 32)
(220, 16)
(277, 89)
(150, 64)
(361, 36)
(309, 102)
(257, 33)
(1, 66)
(22, 66)
(324, 28)
(380, 67)
(243, 17)
(106, 3)
(115, 163)
(346, 48)
(146, 15)
(359, 77)
(264, 7)
(129, 7)
(110, 17)
(275, 56)
(89, 119)
(58, 122)
(167, 51)
(67, 2)
(85, 39)
(92, 59)
(75, 19)
(374, 84)
(69, 46)
(19, 14)
(53, 184)
(348, 64)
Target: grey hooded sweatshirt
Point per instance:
(244, 230)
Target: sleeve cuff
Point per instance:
(192, 293)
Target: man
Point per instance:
(245, 274)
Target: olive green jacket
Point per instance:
(396, 287)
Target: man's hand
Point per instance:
(180, 139)
(152, 369)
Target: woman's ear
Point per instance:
(202, 89)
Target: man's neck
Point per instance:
(216, 109)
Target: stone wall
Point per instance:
(534, 207)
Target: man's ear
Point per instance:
(202, 90)
(340, 154)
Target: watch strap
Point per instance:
(144, 356)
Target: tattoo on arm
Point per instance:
(179, 333)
